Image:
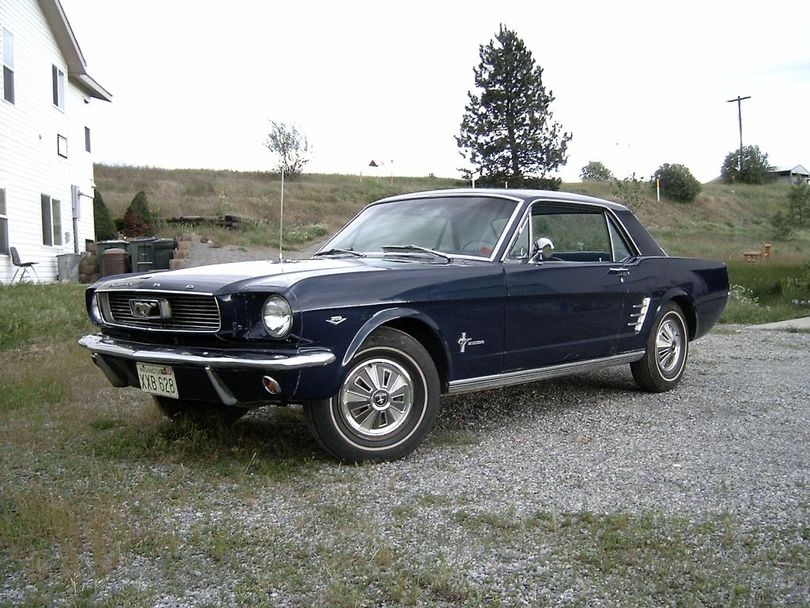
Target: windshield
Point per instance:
(468, 226)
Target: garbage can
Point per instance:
(142, 253)
(103, 246)
(67, 267)
(164, 251)
(114, 261)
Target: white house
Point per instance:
(795, 174)
(46, 167)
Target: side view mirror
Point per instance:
(541, 250)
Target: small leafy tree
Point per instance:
(138, 219)
(629, 190)
(796, 214)
(595, 171)
(677, 182)
(782, 226)
(799, 204)
(291, 147)
(103, 225)
(755, 166)
(507, 132)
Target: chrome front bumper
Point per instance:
(178, 355)
(210, 360)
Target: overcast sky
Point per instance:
(194, 83)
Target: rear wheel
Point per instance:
(386, 405)
(664, 361)
(199, 412)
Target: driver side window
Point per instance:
(569, 234)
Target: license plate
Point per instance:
(157, 380)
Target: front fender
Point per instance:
(378, 320)
(324, 382)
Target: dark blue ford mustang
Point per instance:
(429, 293)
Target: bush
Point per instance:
(755, 166)
(138, 219)
(677, 182)
(102, 222)
(629, 191)
(799, 204)
(595, 171)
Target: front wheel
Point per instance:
(664, 361)
(202, 413)
(386, 405)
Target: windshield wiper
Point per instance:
(405, 248)
(338, 250)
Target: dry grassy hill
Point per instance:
(723, 222)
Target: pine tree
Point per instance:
(102, 222)
(507, 133)
(138, 218)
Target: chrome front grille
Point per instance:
(182, 312)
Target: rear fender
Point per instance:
(687, 303)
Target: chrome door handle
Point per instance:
(621, 271)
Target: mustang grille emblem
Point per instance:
(150, 309)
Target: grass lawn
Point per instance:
(94, 484)
(767, 292)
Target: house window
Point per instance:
(3, 223)
(51, 221)
(8, 66)
(58, 87)
(61, 146)
(87, 138)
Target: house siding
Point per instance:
(29, 163)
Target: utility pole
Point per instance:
(739, 101)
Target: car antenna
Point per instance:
(281, 220)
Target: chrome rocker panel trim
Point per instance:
(544, 373)
(106, 346)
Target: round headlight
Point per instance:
(95, 310)
(277, 316)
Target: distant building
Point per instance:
(791, 175)
(45, 137)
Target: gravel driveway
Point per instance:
(703, 489)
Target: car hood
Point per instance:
(229, 278)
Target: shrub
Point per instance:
(102, 222)
(677, 182)
(595, 171)
(799, 204)
(138, 219)
(629, 191)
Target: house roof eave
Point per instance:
(88, 84)
(69, 47)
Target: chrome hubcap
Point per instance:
(376, 397)
(668, 346)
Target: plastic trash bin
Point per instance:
(114, 261)
(142, 253)
(103, 246)
(164, 251)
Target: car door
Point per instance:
(570, 306)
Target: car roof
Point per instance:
(521, 195)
